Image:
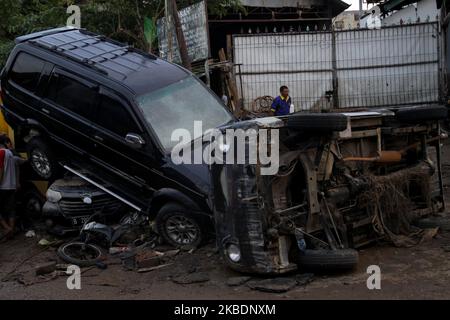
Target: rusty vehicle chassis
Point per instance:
(317, 173)
(320, 187)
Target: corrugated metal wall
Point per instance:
(281, 3)
(355, 68)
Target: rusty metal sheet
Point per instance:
(194, 21)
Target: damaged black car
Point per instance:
(70, 203)
(105, 112)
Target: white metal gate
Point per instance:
(392, 66)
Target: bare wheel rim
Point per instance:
(182, 230)
(40, 163)
(82, 252)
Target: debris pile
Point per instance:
(281, 285)
(388, 199)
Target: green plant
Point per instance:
(118, 19)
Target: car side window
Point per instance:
(26, 71)
(113, 115)
(72, 95)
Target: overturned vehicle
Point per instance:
(344, 180)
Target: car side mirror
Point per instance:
(134, 139)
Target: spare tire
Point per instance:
(321, 122)
(343, 259)
(422, 114)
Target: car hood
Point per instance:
(198, 176)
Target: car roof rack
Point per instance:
(39, 34)
(71, 57)
(75, 47)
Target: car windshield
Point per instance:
(178, 105)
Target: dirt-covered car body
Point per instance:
(72, 201)
(344, 180)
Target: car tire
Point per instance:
(68, 253)
(434, 222)
(322, 122)
(32, 203)
(321, 259)
(178, 227)
(42, 159)
(422, 113)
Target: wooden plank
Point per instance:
(231, 84)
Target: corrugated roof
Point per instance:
(279, 3)
(337, 5)
(290, 3)
(395, 4)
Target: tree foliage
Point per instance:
(26, 16)
(122, 20)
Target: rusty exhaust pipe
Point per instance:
(383, 157)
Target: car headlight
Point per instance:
(233, 252)
(53, 196)
(87, 200)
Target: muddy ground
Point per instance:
(421, 272)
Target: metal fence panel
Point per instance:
(370, 68)
(391, 66)
(301, 61)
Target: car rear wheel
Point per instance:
(343, 259)
(42, 159)
(178, 227)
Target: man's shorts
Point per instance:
(7, 204)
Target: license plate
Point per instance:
(79, 221)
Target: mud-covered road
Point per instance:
(421, 272)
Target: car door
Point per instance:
(121, 144)
(67, 109)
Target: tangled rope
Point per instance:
(388, 199)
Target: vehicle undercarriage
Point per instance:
(333, 191)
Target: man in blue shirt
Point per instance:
(281, 105)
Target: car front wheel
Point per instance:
(178, 227)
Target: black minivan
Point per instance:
(73, 95)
